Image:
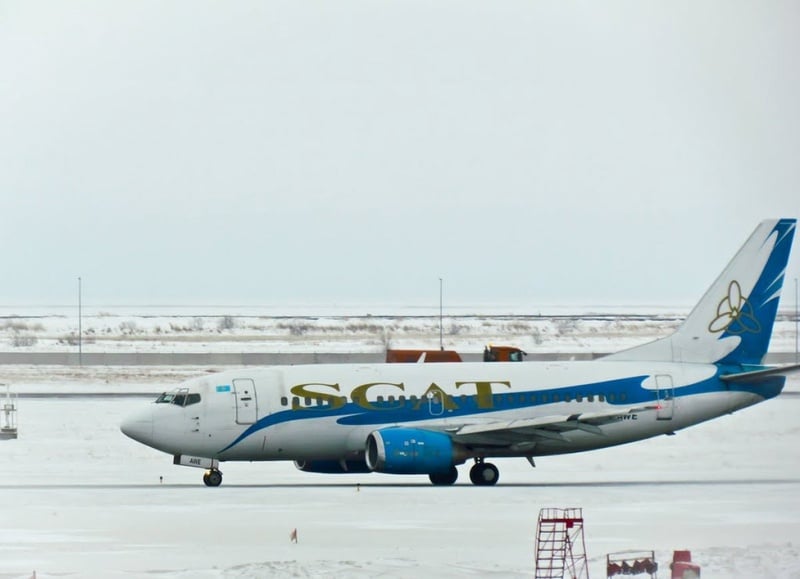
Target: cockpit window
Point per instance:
(180, 397)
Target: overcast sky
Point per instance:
(357, 151)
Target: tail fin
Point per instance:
(732, 323)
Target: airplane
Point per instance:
(428, 419)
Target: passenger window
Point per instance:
(601, 398)
(623, 397)
(611, 398)
(308, 401)
(568, 398)
(556, 398)
(284, 401)
(579, 398)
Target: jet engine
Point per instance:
(411, 451)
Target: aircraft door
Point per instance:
(666, 397)
(435, 403)
(246, 403)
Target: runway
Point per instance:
(419, 485)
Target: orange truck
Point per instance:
(503, 354)
(414, 356)
(490, 354)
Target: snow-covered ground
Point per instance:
(577, 329)
(78, 499)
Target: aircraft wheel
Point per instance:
(444, 478)
(484, 474)
(212, 478)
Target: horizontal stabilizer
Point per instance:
(763, 373)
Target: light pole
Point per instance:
(80, 326)
(441, 331)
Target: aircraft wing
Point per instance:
(527, 431)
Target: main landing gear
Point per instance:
(212, 478)
(483, 473)
(444, 478)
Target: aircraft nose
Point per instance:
(139, 426)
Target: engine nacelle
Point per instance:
(411, 451)
(332, 466)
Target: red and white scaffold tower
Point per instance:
(560, 548)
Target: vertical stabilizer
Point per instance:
(732, 323)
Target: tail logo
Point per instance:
(735, 314)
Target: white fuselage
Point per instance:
(326, 412)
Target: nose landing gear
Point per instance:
(483, 473)
(212, 478)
